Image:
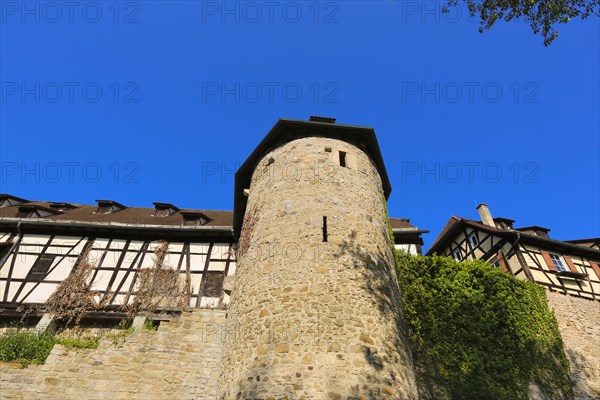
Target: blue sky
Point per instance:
(153, 101)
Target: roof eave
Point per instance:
(97, 228)
(546, 243)
(299, 127)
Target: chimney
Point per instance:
(486, 216)
(328, 120)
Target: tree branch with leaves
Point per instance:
(542, 15)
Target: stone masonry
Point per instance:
(181, 360)
(309, 318)
(578, 320)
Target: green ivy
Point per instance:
(480, 333)
(30, 347)
(25, 347)
(77, 343)
(150, 325)
(390, 230)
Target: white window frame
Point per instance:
(559, 262)
(472, 236)
(457, 254)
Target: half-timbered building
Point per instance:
(41, 242)
(528, 253)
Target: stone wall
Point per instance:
(579, 324)
(315, 312)
(181, 360)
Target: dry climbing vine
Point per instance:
(73, 298)
(158, 287)
(186, 292)
(250, 221)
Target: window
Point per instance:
(164, 209)
(24, 214)
(61, 206)
(324, 228)
(161, 212)
(495, 262)
(473, 239)
(103, 210)
(194, 218)
(190, 221)
(343, 158)
(6, 200)
(40, 268)
(456, 254)
(558, 262)
(4, 250)
(195, 221)
(108, 206)
(212, 284)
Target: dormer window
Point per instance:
(24, 212)
(536, 230)
(62, 206)
(164, 209)
(103, 210)
(6, 200)
(543, 233)
(504, 223)
(35, 211)
(194, 218)
(108, 206)
(162, 212)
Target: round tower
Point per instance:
(315, 310)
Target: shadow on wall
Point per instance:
(380, 282)
(389, 355)
(260, 372)
(582, 373)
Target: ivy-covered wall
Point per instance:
(480, 334)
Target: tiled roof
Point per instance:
(129, 215)
(591, 242)
(449, 225)
(145, 216)
(456, 222)
(402, 223)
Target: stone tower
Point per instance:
(315, 311)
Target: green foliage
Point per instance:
(481, 333)
(25, 347)
(119, 336)
(78, 343)
(390, 230)
(542, 15)
(150, 325)
(28, 347)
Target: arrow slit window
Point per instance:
(343, 158)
